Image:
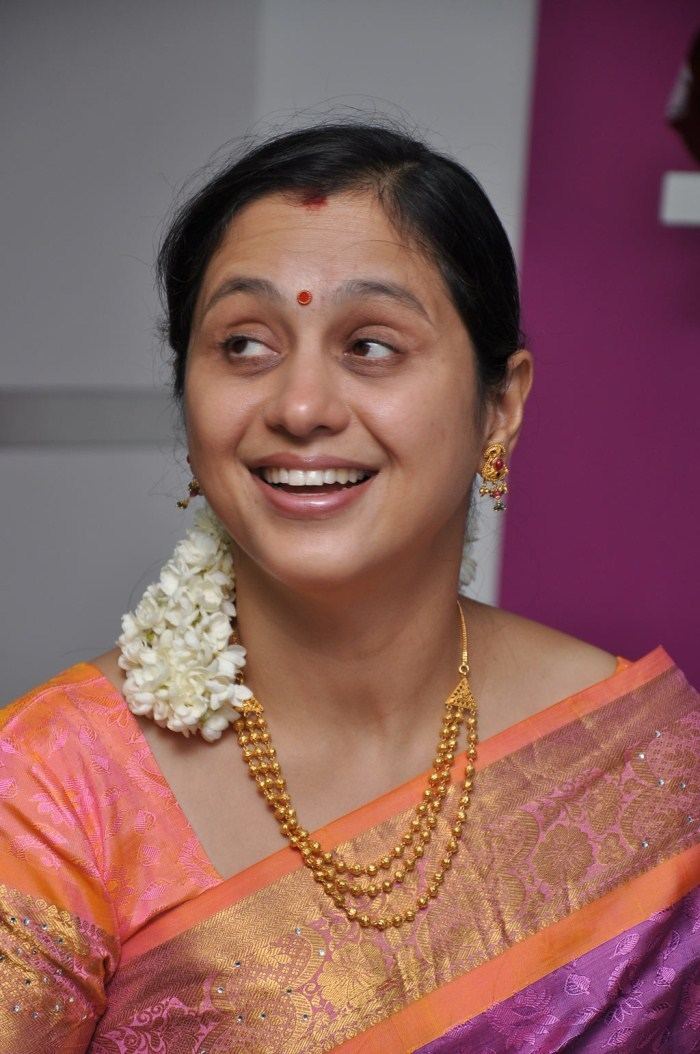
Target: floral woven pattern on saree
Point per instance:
(569, 920)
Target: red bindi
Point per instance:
(315, 201)
(304, 297)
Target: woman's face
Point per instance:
(375, 376)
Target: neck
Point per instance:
(374, 666)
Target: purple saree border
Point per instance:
(639, 991)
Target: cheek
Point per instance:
(431, 426)
(214, 415)
(443, 442)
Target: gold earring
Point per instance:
(494, 471)
(194, 492)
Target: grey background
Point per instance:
(106, 110)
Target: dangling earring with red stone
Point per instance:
(194, 491)
(494, 471)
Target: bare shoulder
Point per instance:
(523, 666)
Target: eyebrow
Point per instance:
(355, 287)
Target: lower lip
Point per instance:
(311, 506)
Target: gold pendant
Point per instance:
(461, 697)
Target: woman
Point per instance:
(344, 873)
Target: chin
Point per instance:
(313, 567)
(317, 572)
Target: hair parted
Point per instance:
(430, 198)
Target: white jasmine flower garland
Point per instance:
(467, 571)
(181, 668)
(175, 647)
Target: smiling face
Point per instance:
(375, 377)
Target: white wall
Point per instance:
(106, 109)
(458, 71)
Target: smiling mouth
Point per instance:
(315, 481)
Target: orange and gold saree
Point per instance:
(570, 920)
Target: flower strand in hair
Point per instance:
(182, 669)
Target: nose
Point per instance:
(307, 398)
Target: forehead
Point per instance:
(322, 240)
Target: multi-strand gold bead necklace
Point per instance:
(339, 876)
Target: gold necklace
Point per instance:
(337, 875)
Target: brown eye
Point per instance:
(373, 350)
(238, 346)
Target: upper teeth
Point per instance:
(295, 477)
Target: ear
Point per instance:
(505, 414)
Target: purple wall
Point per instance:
(603, 533)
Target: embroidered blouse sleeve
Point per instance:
(59, 941)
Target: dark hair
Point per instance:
(427, 196)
